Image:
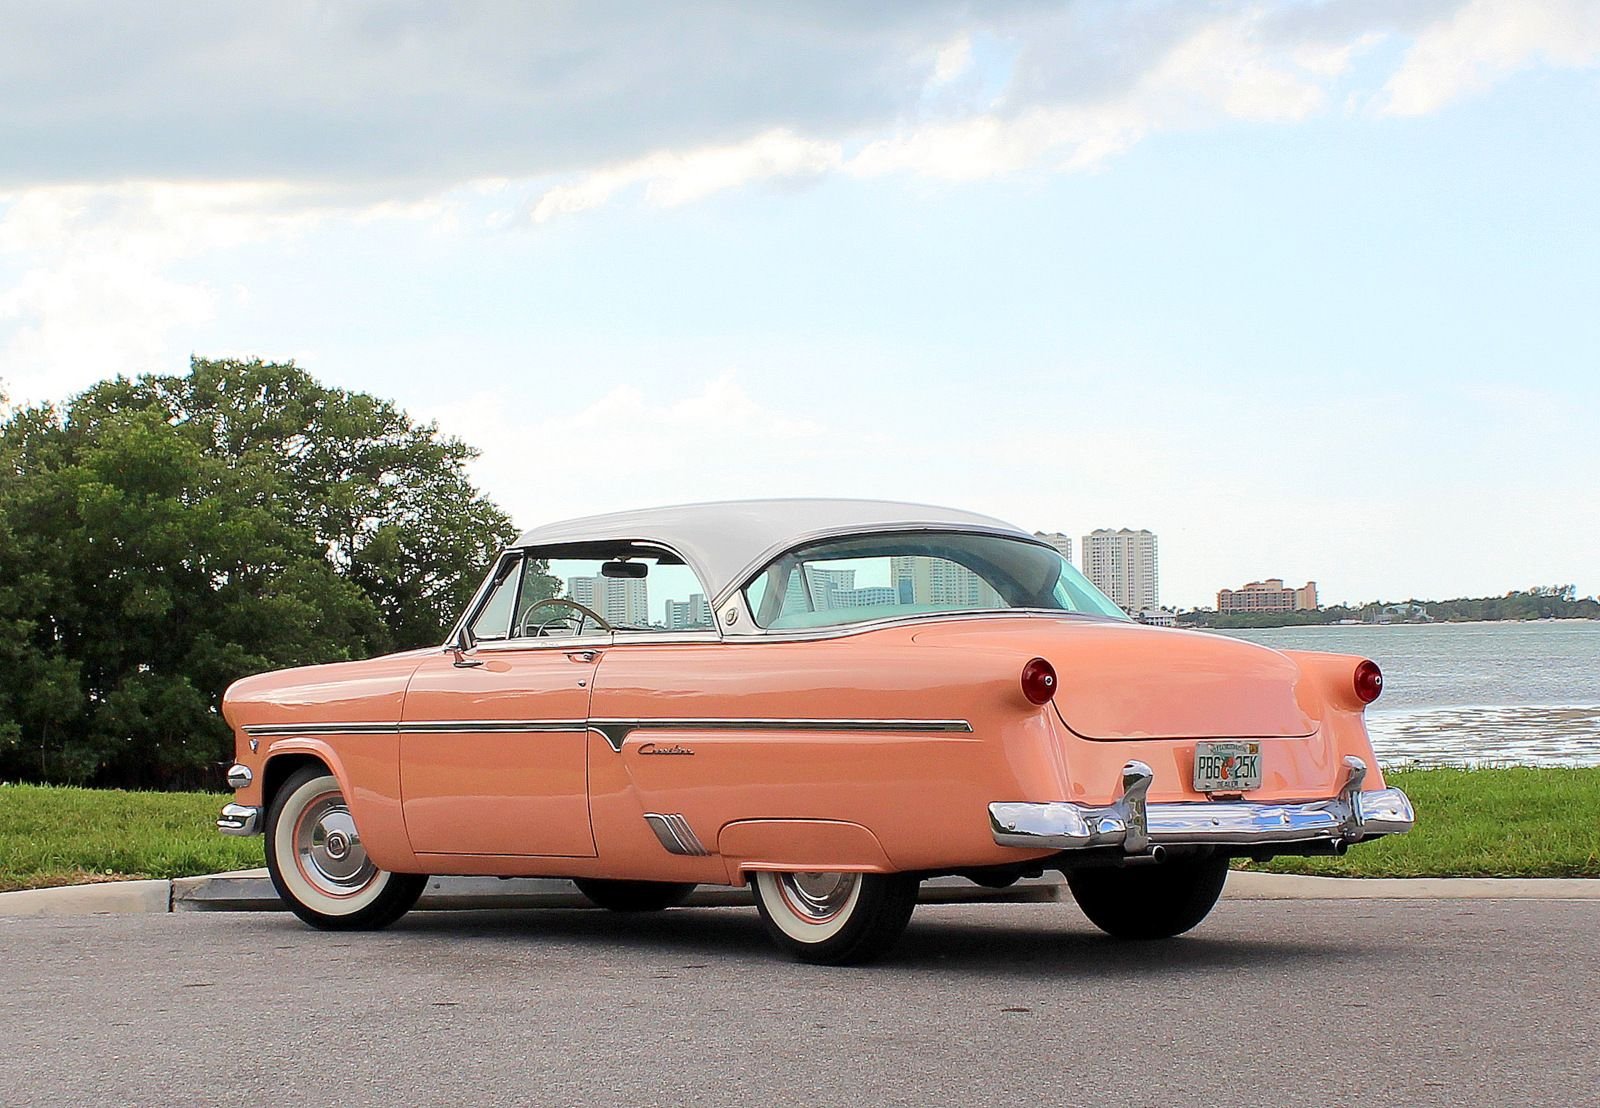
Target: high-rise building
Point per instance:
(621, 601)
(685, 615)
(1122, 564)
(917, 579)
(825, 587)
(1268, 596)
(1056, 539)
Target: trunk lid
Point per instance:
(1123, 682)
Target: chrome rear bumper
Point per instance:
(239, 819)
(1136, 825)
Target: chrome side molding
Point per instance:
(1138, 826)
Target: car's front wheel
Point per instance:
(319, 865)
(633, 896)
(835, 918)
(1150, 902)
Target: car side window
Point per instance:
(595, 588)
(494, 619)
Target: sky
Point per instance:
(1310, 290)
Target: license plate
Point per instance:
(1227, 767)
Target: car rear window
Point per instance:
(859, 578)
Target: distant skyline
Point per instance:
(1305, 288)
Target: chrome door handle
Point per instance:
(583, 655)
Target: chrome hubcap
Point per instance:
(329, 849)
(818, 897)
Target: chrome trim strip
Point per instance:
(239, 777)
(622, 637)
(322, 728)
(816, 634)
(239, 819)
(616, 731)
(675, 834)
(571, 643)
(418, 727)
(489, 726)
(1062, 825)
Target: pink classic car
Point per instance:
(826, 700)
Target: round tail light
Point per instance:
(1039, 681)
(1369, 681)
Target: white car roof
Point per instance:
(721, 541)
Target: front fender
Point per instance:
(373, 760)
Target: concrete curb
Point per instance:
(114, 897)
(1287, 886)
(252, 891)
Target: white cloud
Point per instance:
(91, 318)
(952, 59)
(1226, 68)
(628, 448)
(670, 178)
(1486, 41)
(92, 276)
(94, 292)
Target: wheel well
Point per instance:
(279, 769)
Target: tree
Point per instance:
(163, 536)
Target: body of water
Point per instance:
(1475, 693)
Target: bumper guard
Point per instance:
(239, 819)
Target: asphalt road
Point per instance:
(1269, 1003)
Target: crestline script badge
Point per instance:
(654, 748)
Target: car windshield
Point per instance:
(867, 577)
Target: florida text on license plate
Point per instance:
(1227, 767)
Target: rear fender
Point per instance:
(792, 845)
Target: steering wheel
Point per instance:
(522, 630)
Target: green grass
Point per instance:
(61, 836)
(1511, 822)
(1506, 822)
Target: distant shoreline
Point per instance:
(1543, 603)
(1336, 624)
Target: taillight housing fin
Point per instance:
(1039, 681)
(1368, 681)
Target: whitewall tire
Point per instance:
(319, 865)
(835, 918)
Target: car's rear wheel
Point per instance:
(1150, 902)
(319, 865)
(835, 919)
(633, 896)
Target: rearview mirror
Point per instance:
(633, 571)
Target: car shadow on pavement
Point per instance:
(1039, 941)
